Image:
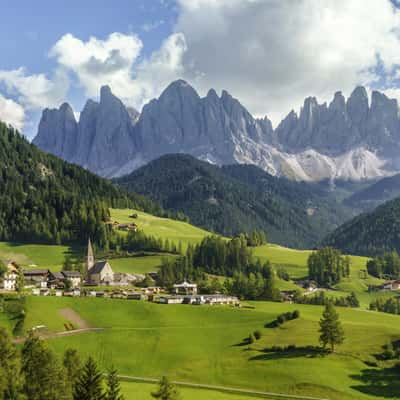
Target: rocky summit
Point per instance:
(351, 139)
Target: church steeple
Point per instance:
(89, 257)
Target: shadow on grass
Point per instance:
(290, 352)
(383, 382)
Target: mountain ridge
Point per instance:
(237, 199)
(351, 139)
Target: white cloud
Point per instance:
(115, 62)
(99, 62)
(271, 54)
(11, 113)
(35, 91)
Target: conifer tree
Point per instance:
(44, 379)
(330, 327)
(166, 391)
(10, 379)
(113, 386)
(89, 385)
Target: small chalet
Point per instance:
(127, 227)
(73, 276)
(36, 277)
(10, 277)
(391, 285)
(185, 288)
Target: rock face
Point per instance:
(349, 139)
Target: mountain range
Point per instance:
(350, 139)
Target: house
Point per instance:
(73, 276)
(391, 285)
(97, 273)
(171, 299)
(136, 296)
(36, 277)
(56, 280)
(185, 288)
(10, 277)
(127, 227)
(211, 299)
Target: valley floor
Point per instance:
(205, 345)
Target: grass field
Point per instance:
(137, 265)
(203, 345)
(38, 255)
(164, 228)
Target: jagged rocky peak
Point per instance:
(357, 105)
(57, 131)
(343, 138)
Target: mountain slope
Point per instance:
(234, 199)
(370, 197)
(45, 199)
(347, 139)
(370, 233)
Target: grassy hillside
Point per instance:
(38, 255)
(164, 228)
(203, 345)
(238, 199)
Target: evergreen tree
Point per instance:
(113, 386)
(330, 327)
(72, 365)
(89, 385)
(10, 379)
(166, 391)
(44, 379)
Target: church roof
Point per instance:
(98, 267)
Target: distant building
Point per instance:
(101, 274)
(73, 276)
(391, 285)
(36, 277)
(185, 288)
(97, 273)
(10, 277)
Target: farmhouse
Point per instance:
(391, 285)
(73, 276)
(36, 277)
(10, 277)
(185, 288)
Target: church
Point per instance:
(97, 273)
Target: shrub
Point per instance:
(257, 334)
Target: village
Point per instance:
(99, 280)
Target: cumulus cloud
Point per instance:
(115, 62)
(99, 62)
(11, 113)
(35, 91)
(271, 54)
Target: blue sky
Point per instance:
(269, 54)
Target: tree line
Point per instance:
(327, 266)
(47, 200)
(385, 266)
(247, 278)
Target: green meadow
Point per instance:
(38, 255)
(205, 345)
(165, 228)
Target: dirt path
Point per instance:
(72, 316)
(268, 395)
